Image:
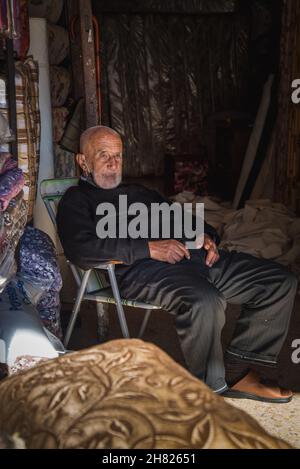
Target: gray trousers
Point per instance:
(198, 296)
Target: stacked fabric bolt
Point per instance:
(13, 215)
(11, 184)
(39, 267)
(28, 124)
(12, 223)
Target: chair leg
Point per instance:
(119, 306)
(144, 323)
(76, 307)
(102, 321)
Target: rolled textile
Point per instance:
(11, 183)
(8, 268)
(60, 82)
(39, 50)
(12, 213)
(60, 117)
(39, 267)
(38, 261)
(12, 225)
(49, 9)
(7, 162)
(49, 311)
(74, 128)
(65, 165)
(58, 43)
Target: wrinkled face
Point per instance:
(103, 159)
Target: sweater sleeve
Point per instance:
(77, 232)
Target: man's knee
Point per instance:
(208, 303)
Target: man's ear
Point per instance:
(80, 158)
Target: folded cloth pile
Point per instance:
(39, 266)
(262, 228)
(13, 215)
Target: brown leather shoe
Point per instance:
(250, 387)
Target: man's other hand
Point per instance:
(168, 250)
(212, 251)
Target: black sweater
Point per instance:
(77, 220)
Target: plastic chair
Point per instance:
(90, 283)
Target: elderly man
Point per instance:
(193, 284)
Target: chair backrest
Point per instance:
(51, 191)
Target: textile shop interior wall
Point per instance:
(172, 70)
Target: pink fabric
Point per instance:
(7, 162)
(11, 184)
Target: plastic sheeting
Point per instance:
(163, 75)
(21, 333)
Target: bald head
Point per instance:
(101, 156)
(100, 132)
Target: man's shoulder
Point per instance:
(73, 195)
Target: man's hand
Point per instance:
(168, 250)
(212, 251)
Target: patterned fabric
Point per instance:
(7, 162)
(49, 312)
(60, 82)
(64, 164)
(125, 394)
(5, 133)
(28, 126)
(8, 269)
(11, 184)
(58, 44)
(39, 266)
(59, 121)
(12, 224)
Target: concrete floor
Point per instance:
(282, 420)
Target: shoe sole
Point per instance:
(246, 395)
